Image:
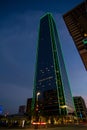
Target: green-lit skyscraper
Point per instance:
(50, 76)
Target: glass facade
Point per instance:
(76, 22)
(50, 76)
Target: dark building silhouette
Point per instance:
(80, 107)
(76, 22)
(22, 109)
(51, 94)
(28, 106)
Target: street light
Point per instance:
(37, 116)
(64, 106)
(38, 93)
(63, 113)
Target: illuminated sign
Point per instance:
(84, 41)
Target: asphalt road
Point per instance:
(57, 128)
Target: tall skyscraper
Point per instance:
(51, 91)
(76, 22)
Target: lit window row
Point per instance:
(75, 30)
(78, 39)
(75, 33)
(45, 79)
(70, 23)
(77, 36)
(46, 69)
(73, 26)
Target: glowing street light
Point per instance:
(37, 114)
(64, 106)
(38, 93)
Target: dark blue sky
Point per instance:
(19, 23)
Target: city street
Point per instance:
(57, 128)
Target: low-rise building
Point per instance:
(80, 107)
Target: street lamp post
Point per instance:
(37, 107)
(37, 116)
(38, 93)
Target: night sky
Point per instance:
(19, 24)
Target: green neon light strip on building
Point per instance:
(84, 41)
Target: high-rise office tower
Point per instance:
(51, 91)
(76, 22)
